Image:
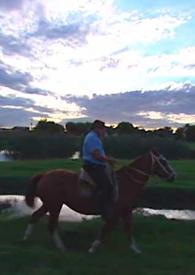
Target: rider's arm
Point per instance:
(98, 156)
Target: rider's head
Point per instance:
(99, 127)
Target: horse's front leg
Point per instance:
(127, 223)
(52, 226)
(107, 228)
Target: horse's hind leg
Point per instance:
(34, 219)
(53, 223)
(127, 223)
(107, 228)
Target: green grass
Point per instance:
(185, 174)
(15, 174)
(168, 249)
(27, 168)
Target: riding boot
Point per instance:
(108, 210)
(105, 203)
(102, 204)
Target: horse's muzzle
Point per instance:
(171, 178)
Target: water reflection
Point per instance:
(76, 155)
(15, 206)
(170, 214)
(5, 155)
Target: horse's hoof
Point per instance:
(136, 250)
(91, 250)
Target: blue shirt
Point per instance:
(92, 142)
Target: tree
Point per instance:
(77, 128)
(45, 126)
(190, 133)
(180, 133)
(164, 132)
(125, 128)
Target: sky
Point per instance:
(114, 60)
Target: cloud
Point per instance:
(149, 108)
(15, 101)
(52, 48)
(172, 107)
(11, 101)
(74, 33)
(42, 106)
(37, 91)
(19, 81)
(13, 79)
(12, 45)
(60, 43)
(9, 5)
(15, 117)
(18, 111)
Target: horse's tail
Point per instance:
(31, 190)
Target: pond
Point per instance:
(76, 155)
(15, 206)
(5, 156)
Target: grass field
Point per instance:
(168, 249)
(15, 173)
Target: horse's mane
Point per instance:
(61, 170)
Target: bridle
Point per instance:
(158, 160)
(154, 159)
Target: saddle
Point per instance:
(88, 186)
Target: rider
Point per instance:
(95, 160)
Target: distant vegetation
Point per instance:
(51, 140)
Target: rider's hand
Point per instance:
(111, 161)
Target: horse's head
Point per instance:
(161, 167)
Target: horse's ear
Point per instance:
(155, 151)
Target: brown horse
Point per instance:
(58, 187)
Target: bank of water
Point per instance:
(15, 206)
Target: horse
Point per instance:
(59, 186)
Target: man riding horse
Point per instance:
(95, 161)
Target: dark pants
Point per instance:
(103, 185)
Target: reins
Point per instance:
(154, 159)
(139, 171)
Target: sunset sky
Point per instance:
(115, 60)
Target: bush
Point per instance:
(131, 146)
(31, 146)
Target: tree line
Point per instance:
(49, 139)
(123, 128)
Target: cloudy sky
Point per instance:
(115, 60)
